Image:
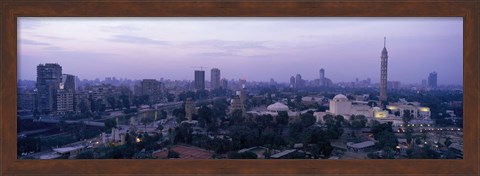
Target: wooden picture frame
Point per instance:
(10, 10)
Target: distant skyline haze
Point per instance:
(254, 48)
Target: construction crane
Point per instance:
(201, 67)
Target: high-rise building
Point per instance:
(237, 104)
(199, 83)
(224, 84)
(49, 77)
(68, 82)
(26, 100)
(432, 80)
(322, 77)
(81, 101)
(215, 78)
(151, 87)
(272, 81)
(298, 81)
(242, 82)
(292, 82)
(383, 72)
(65, 101)
(66, 94)
(242, 94)
(189, 109)
(393, 85)
(424, 83)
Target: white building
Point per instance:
(277, 107)
(418, 112)
(362, 146)
(361, 108)
(340, 105)
(312, 99)
(274, 109)
(319, 116)
(378, 113)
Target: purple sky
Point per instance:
(252, 48)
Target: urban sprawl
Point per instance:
(63, 117)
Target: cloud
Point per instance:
(216, 54)
(232, 45)
(119, 28)
(32, 42)
(136, 40)
(226, 48)
(54, 48)
(52, 37)
(57, 51)
(29, 23)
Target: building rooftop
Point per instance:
(340, 96)
(191, 152)
(277, 107)
(64, 150)
(283, 153)
(361, 145)
(50, 156)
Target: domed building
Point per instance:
(340, 105)
(273, 110)
(340, 97)
(379, 113)
(277, 107)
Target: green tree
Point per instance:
(110, 123)
(79, 130)
(62, 125)
(146, 120)
(173, 154)
(28, 144)
(170, 97)
(409, 134)
(282, 118)
(358, 122)
(219, 108)
(385, 135)
(264, 121)
(83, 106)
(418, 141)
(163, 114)
(328, 119)
(243, 136)
(339, 120)
(125, 101)
(324, 148)
(308, 119)
(112, 102)
(447, 142)
(296, 129)
(407, 116)
(179, 113)
(85, 155)
(236, 117)
(183, 133)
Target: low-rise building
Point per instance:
(362, 146)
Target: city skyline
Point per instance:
(256, 49)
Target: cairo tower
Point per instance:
(383, 72)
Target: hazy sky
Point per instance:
(252, 48)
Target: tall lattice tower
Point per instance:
(383, 72)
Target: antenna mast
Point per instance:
(384, 41)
